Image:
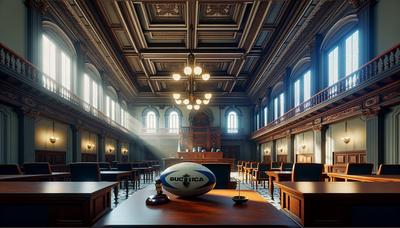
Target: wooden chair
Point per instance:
(10, 169)
(388, 169)
(222, 172)
(286, 166)
(104, 166)
(276, 165)
(85, 171)
(359, 168)
(260, 175)
(249, 169)
(246, 164)
(239, 167)
(37, 168)
(307, 172)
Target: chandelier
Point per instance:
(190, 100)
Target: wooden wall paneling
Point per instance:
(52, 157)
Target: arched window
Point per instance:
(173, 120)
(111, 104)
(302, 88)
(278, 101)
(124, 114)
(232, 122)
(265, 115)
(57, 60)
(151, 121)
(90, 88)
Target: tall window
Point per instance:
(173, 120)
(343, 61)
(265, 116)
(279, 105)
(110, 108)
(56, 66)
(302, 88)
(90, 91)
(151, 121)
(123, 117)
(233, 122)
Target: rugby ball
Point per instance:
(187, 179)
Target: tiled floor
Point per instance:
(264, 192)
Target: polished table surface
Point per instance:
(53, 187)
(365, 178)
(213, 208)
(23, 177)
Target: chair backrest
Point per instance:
(287, 166)
(124, 166)
(359, 168)
(37, 168)
(9, 169)
(307, 172)
(246, 164)
(276, 165)
(85, 171)
(262, 167)
(240, 162)
(104, 166)
(389, 169)
(222, 172)
(253, 165)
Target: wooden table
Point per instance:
(277, 176)
(36, 177)
(213, 208)
(117, 176)
(364, 178)
(342, 203)
(53, 203)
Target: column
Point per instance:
(80, 69)
(288, 92)
(101, 139)
(375, 137)
(366, 26)
(319, 143)
(119, 151)
(273, 151)
(290, 147)
(316, 63)
(26, 135)
(76, 144)
(34, 27)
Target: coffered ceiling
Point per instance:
(151, 40)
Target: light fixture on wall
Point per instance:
(90, 145)
(303, 145)
(281, 150)
(124, 151)
(266, 151)
(190, 100)
(52, 138)
(346, 139)
(111, 149)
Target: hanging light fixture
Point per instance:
(90, 145)
(190, 100)
(53, 139)
(346, 139)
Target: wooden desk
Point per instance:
(342, 203)
(53, 203)
(214, 208)
(364, 178)
(277, 176)
(36, 177)
(117, 176)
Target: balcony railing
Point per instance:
(367, 73)
(30, 73)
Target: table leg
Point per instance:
(127, 187)
(271, 186)
(116, 194)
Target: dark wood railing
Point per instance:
(29, 72)
(369, 72)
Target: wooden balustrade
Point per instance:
(28, 72)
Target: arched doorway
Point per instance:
(200, 119)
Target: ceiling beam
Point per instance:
(212, 78)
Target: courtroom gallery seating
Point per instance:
(9, 169)
(222, 173)
(307, 172)
(85, 171)
(359, 168)
(260, 175)
(286, 166)
(104, 166)
(37, 168)
(388, 169)
(276, 165)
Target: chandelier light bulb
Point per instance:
(187, 70)
(186, 101)
(197, 70)
(208, 96)
(205, 77)
(196, 107)
(198, 101)
(176, 77)
(178, 102)
(189, 107)
(176, 96)
(206, 101)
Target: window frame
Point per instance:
(232, 124)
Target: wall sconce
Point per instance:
(124, 152)
(111, 149)
(53, 139)
(266, 151)
(90, 145)
(281, 150)
(346, 139)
